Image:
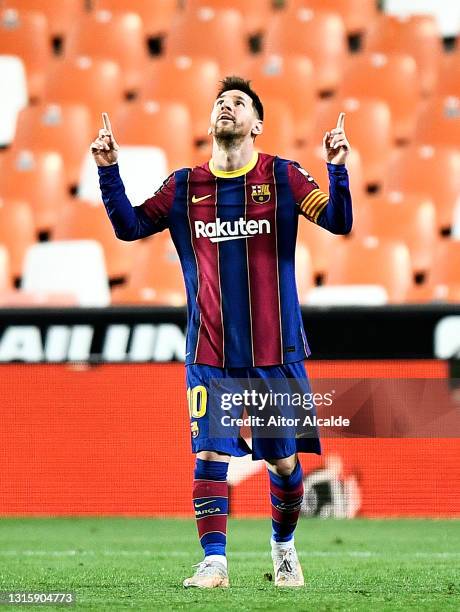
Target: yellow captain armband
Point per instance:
(313, 204)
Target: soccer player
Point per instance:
(234, 221)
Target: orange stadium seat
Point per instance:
(416, 35)
(157, 124)
(449, 75)
(4, 268)
(81, 220)
(17, 231)
(123, 42)
(407, 217)
(94, 82)
(205, 32)
(364, 117)
(26, 34)
(52, 127)
(279, 133)
(357, 15)
(372, 262)
(60, 14)
(255, 13)
(311, 158)
(433, 171)
(392, 77)
(192, 81)
(316, 34)
(318, 241)
(446, 264)
(156, 276)
(156, 16)
(439, 122)
(37, 178)
(291, 79)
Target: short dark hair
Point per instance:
(235, 82)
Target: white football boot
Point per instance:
(286, 565)
(209, 575)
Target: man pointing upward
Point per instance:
(234, 222)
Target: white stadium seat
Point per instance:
(143, 170)
(347, 295)
(13, 85)
(447, 12)
(70, 266)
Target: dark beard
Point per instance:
(228, 140)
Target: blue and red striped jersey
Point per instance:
(235, 234)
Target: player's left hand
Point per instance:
(335, 144)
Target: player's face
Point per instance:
(233, 116)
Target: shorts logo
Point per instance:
(194, 429)
(261, 193)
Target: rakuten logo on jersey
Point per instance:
(219, 231)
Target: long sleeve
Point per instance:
(337, 215)
(132, 223)
(333, 211)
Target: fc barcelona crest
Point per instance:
(261, 193)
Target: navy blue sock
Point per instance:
(210, 499)
(286, 494)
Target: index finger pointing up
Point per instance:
(106, 122)
(341, 121)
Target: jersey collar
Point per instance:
(234, 173)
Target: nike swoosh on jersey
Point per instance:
(204, 503)
(195, 199)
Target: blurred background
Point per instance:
(92, 329)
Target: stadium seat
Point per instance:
(17, 231)
(143, 170)
(407, 217)
(26, 35)
(76, 267)
(416, 35)
(156, 276)
(255, 13)
(205, 32)
(83, 80)
(303, 272)
(82, 220)
(13, 85)
(156, 16)
(432, 171)
(357, 15)
(372, 262)
(117, 37)
(38, 179)
(161, 124)
(311, 158)
(439, 122)
(446, 264)
(318, 241)
(290, 78)
(449, 75)
(60, 14)
(364, 116)
(347, 295)
(14, 298)
(447, 13)
(192, 81)
(52, 127)
(376, 75)
(279, 133)
(316, 34)
(5, 282)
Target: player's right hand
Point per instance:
(104, 148)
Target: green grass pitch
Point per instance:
(139, 564)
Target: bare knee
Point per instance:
(213, 456)
(282, 467)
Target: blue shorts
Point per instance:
(200, 378)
